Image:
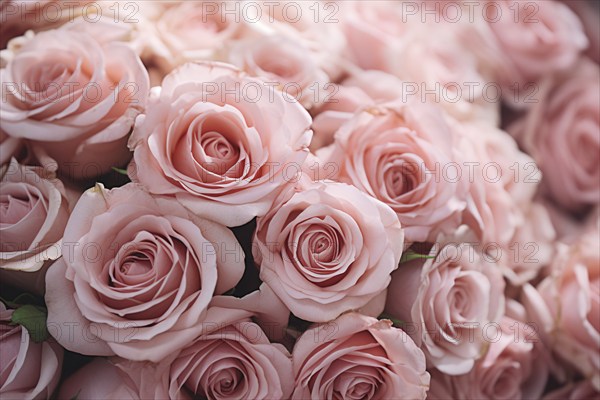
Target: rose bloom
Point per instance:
(232, 361)
(531, 248)
(356, 356)
(525, 41)
(341, 101)
(190, 31)
(566, 306)
(306, 24)
(447, 301)
(374, 31)
(34, 210)
(560, 132)
(137, 273)
(512, 368)
(285, 63)
(222, 143)
(73, 97)
(399, 153)
(29, 370)
(504, 181)
(116, 379)
(328, 248)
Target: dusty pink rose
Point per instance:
(587, 11)
(374, 33)
(503, 183)
(362, 89)
(29, 370)
(512, 368)
(137, 273)
(191, 31)
(403, 155)
(327, 249)
(221, 142)
(232, 361)
(73, 97)
(531, 39)
(566, 306)
(358, 357)
(446, 302)
(531, 248)
(34, 211)
(561, 134)
(116, 379)
(285, 63)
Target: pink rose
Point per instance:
(284, 62)
(33, 214)
(400, 154)
(447, 301)
(232, 361)
(503, 183)
(512, 368)
(561, 134)
(358, 357)
(140, 272)
(530, 40)
(362, 89)
(29, 370)
(73, 97)
(221, 142)
(116, 379)
(590, 18)
(531, 248)
(328, 248)
(191, 31)
(374, 32)
(566, 306)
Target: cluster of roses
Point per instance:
(317, 206)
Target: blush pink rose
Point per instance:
(560, 132)
(566, 306)
(503, 183)
(73, 97)
(115, 379)
(341, 101)
(29, 370)
(512, 368)
(374, 31)
(328, 248)
(403, 155)
(530, 40)
(531, 248)
(190, 31)
(358, 357)
(34, 210)
(137, 273)
(446, 302)
(285, 63)
(222, 143)
(232, 361)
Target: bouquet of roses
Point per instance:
(300, 199)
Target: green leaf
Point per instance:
(398, 323)
(120, 171)
(410, 255)
(32, 318)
